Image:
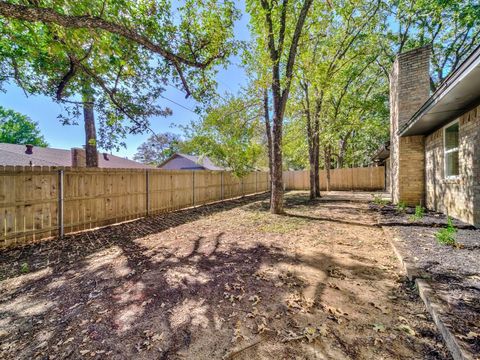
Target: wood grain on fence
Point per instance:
(30, 197)
(368, 178)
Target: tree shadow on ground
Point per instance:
(118, 303)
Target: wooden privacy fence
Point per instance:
(369, 178)
(39, 202)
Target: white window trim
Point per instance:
(445, 151)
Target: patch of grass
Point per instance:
(276, 224)
(446, 236)
(377, 200)
(402, 206)
(419, 213)
(24, 268)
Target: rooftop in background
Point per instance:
(458, 93)
(382, 153)
(23, 155)
(180, 161)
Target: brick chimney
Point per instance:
(29, 149)
(79, 157)
(409, 90)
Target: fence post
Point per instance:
(61, 229)
(256, 182)
(147, 188)
(193, 187)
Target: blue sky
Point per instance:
(45, 111)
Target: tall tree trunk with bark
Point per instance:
(310, 138)
(90, 131)
(316, 140)
(268, 131)
(328, 164)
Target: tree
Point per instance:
(277, 28)
(228, 133)
(340, 38)
(113, 59)
(158, 148)
(16, 128)
(450, 27)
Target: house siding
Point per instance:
(459, 198)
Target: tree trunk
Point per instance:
(268, 130)
(343, 150)
(316, 141)
(276, 200)
(310, 141)
(90, 132)
(317, 168)
(328, 165)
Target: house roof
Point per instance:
(15, 155)
(202, 161)
(382, 153)
(458, 93)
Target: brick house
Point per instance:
(435, 138)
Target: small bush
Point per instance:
(446, 236)
(419, 213)
(401, 206)
(24, 268)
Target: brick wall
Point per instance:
(459, 198)
(411, 177)
(409, 89)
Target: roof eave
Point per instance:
(454, 97)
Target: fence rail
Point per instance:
(39, 202)
(369, 178)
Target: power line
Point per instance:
(178, 104)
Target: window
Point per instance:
(451, 150)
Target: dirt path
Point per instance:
(221, 281)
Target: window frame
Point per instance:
(445, 151)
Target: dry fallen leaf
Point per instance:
(255, 299)
(406, 329)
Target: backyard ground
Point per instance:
(222, 281)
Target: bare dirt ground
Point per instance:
(221, 281)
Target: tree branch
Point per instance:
(46, 15)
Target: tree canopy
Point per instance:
(158, 148)
(229, 134)
(114, 59)
(16, 128)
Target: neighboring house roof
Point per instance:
(15, 155)
(458, 93)
(193, 163)
(382, 153)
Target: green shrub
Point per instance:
(24, 268)
(446, 236)
(401, 206)
(419, 213)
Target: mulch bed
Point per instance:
(452, 271)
